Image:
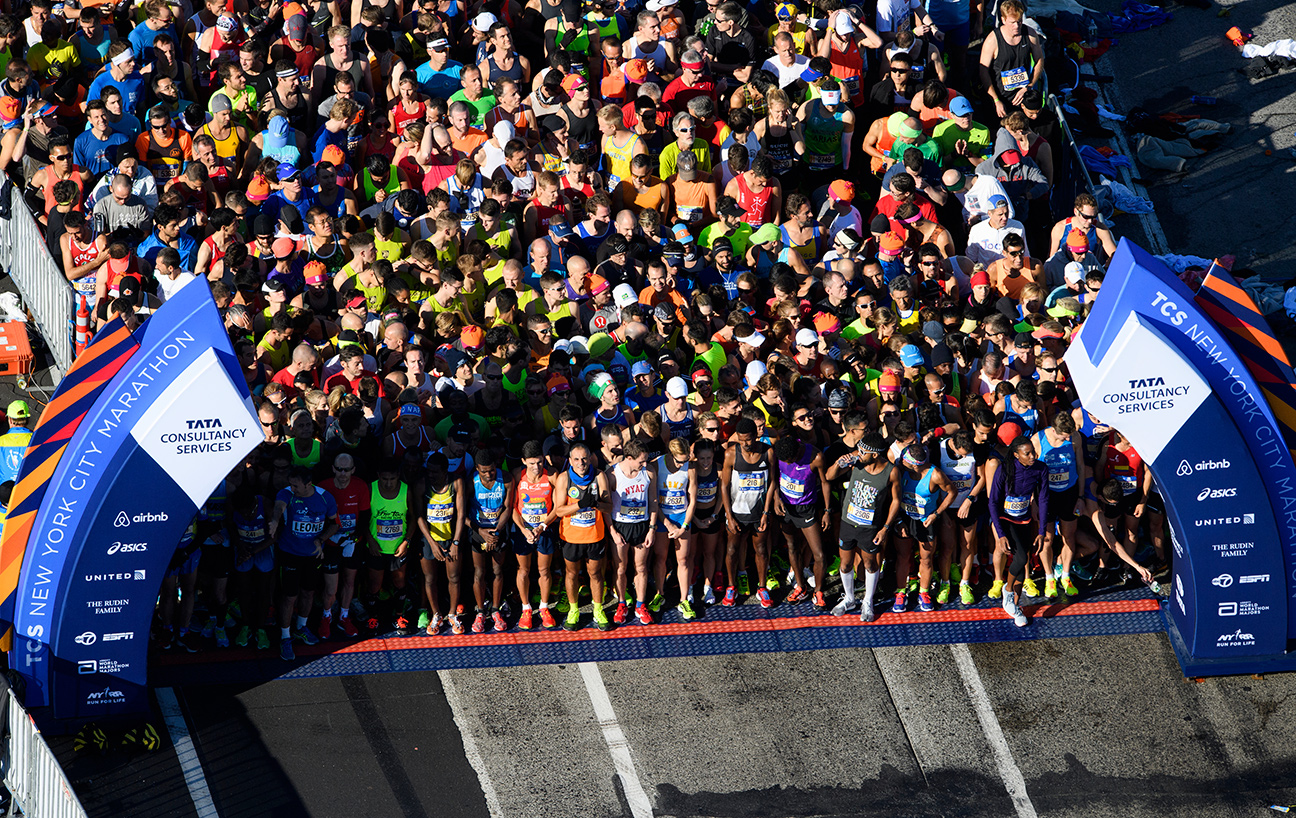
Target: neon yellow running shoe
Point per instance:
(943, 595)
(686, 610)
(1050, 588)
(1069, 587)
(996, 590)
(965, 593)
(956, 574)
(657, 602)
(1029, 588)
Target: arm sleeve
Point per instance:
(996, 499)
(1043, 500)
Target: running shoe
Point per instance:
(479, 623)
(424, 619)
(506, 609)
(497, 619)
(900, 602)
(433, 626)
(209, 629)
(965, 593)
(1057, 570)
(222, 638)
(771, 582)
(456, 625)
(996, 590)
(844, 606)
(790, 578)
(286, 650)
(527, 621)
(1082, 570)
(325, 628)
(819, 601)
(867, 614)
(1069, 587)
(187, 641)
(402, 626)
(547, 620)
(234, 611)
(262, 639)
(601, 618)
(708, 596)
(943, 595)
(348, 628)
(657, 602)
(572, 622)
(797, 594)
(1050, 588)
(371, 624)
(686, 610)
(744, 586)
(1014, 610)
(924, 602)
(1030, 589)
(243, 637)
(643, 615)
(621, 614)
(731, 597)
(763, 596)
(562, 606)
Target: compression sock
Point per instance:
(848, 585)
(870, 585)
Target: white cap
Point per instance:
(483, 22)
(658, 5)
(844, 24)
(755, 370)
(806, 337)
(579, 345)
(676, 388)
(503, 131)
(562, 346)
(624, 296)
(830, 96)
(1074, 272)
(755, 339)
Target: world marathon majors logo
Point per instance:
(89, 667)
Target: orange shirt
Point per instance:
(651, 298)
(468, 144)
(1011, 286)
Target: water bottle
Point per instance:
(1200, 100)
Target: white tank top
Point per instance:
(673, 489)
(630, 496)
(961, 471)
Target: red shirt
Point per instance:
(350, 502)
(340, 379)
(887, 206)
(285, 378)
(677, 94)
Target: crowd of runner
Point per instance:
(657, 306)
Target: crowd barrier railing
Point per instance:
(33, 775)
(45, 291)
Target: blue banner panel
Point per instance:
(1138, 283)
(151, 448)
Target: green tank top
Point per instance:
(558, 313)
(579, 45)
(823, 137)
(374, 296)
(440, 514)
(713, 358)
(518, 387)
(310, 460)
(633, 359)
(387, 518)
(370, 189)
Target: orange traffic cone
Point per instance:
(82, 324)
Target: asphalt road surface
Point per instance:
(1087, 727)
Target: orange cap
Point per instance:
(10, 108)
(892, 242)
(334, 156)
(826, 322)
(635, 70)
(471, 337)
(842, 190)
(258, 189)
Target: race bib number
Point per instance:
(634, 512)
(752, 484)
(389, 529)
(439, 513)
(1014, 78)
(1015, 506)
(706, 495)
(1059, 478)
(307, 527)
(1128, 483)
(675, 502)
(346, 523)
(688, 213)
(792, 487)
(818, 161)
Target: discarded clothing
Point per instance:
(1278, 48)
(1180, 263)
(1136, 16)
(1165, 154)
(1105, 165)
(1126, 199)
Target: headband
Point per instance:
(866, 448)
(286, 73)
(907, 131)
(124, 57)
(910, 461)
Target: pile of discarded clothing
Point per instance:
(1167, 142)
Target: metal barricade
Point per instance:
(32, 774)
(45, 291)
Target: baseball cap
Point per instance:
(298, 29)
(561, 230)
(333, 155)
(288, 170)
(892, 243)
(687, 166)
(483, 22)
(18, 409)
(766, 232)
(934, 330)
(681, 230)
(806, 338)
(755, 339)
(1073, 273)
(785, 11)
(573, 81)
(471, 337)
(356, 300)
(641, 368)
(676, 388)
(283, 248)
(842, 190)
(728, 206)
(910, 355)
(315, 272)
(844, 24)
(411, 410)
(996, 201)
(960, 106)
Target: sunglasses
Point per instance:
(1015, 253)
(544, 331)
(712, 430)
(1048, 369)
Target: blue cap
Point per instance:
(997, 201)
(641, 368)
(959, 106)
(561, 230)
(910, 355)
(411, 410)
(810, 75)
(287, 170)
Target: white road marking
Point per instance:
(640, 806)
(186, 753)
(471, 752)
(1008, 770)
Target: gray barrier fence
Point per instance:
(31, 772)
(45, 291)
